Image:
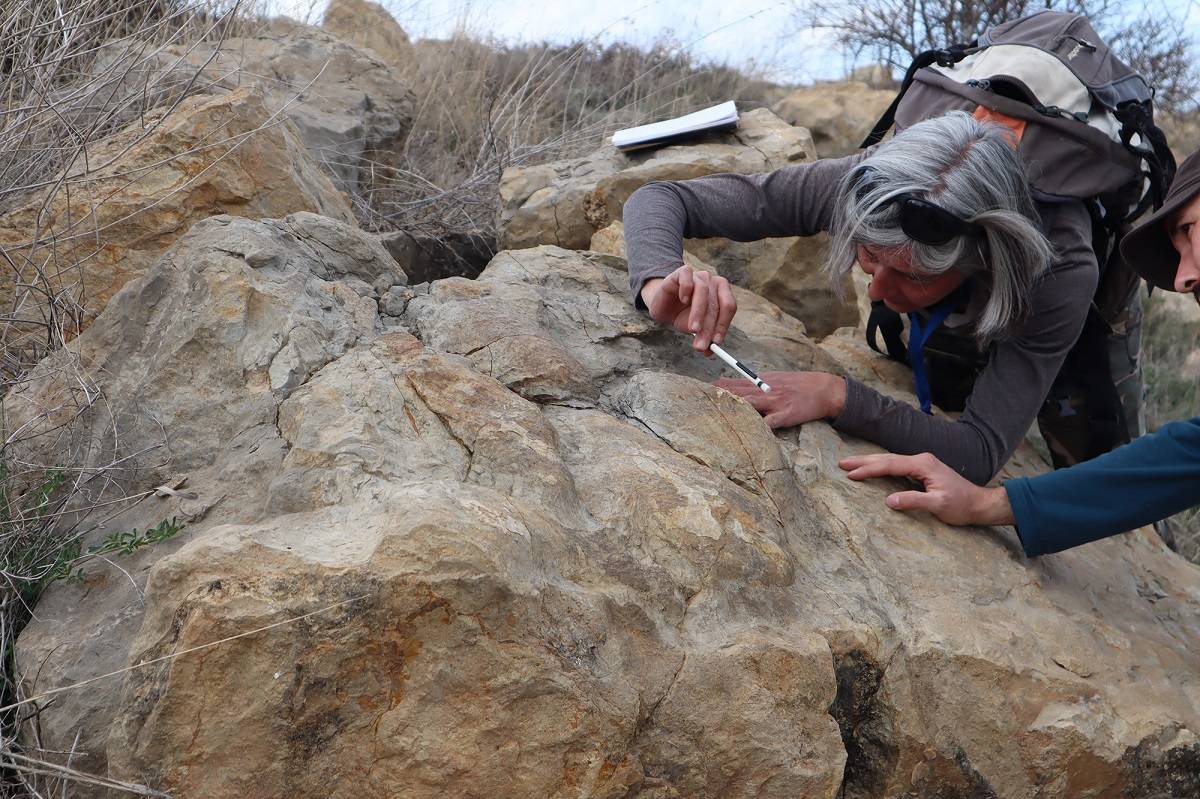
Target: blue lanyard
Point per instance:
(917, 336)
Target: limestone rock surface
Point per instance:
(350, 106)
(519, 545)
(838, 114)
(369, 25)
(193, 358)
(149, 183)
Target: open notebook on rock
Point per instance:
(718, 117)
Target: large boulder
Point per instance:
(135, 193)
(520, 545)
(568, 203)
(193, 359)
(352, 108)
(369, 25)
(839, 115)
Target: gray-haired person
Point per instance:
(942, 219)
(1142, 482)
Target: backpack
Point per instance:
(1084, 128)
(1087, 118)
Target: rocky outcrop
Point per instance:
(194, 359)
(839, 115)
(369, 25)
(519, 545)
(146, 185)
(352, 109)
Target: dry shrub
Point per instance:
(73, 72)
(483, 107)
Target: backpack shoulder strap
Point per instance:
(886, 321)
(944, 57)
(1136, 117)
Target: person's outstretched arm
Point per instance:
(790, 201)
(1010, 390)
(1149, 479)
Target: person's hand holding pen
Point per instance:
(703, 304)
(692, 301)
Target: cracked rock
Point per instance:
(523, 547)
(193, 359)
(254, 169)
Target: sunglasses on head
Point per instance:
(920, 219)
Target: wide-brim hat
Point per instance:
(1147, 248)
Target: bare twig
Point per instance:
(73, 72)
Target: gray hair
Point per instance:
(970, 169)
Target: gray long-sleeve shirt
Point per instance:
(799, 201)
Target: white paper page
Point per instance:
(716, 116)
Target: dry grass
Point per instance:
(483, 107)
(72, 72)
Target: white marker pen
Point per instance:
(742, 369)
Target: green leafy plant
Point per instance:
(69, 561)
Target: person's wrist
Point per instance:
(835, 397)
(649, 289)
(990, 506)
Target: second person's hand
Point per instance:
(692, 301)
(946, 494)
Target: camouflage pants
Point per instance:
(1096, 402)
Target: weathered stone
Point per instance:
(352, 109)
(213, 155)
(789, 272)
(193, 358)
(611, 241)
(839, 115)
(369, 25)
(564, 203)
(524, 547)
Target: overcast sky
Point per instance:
(738, 32)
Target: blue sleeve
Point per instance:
(1149, 479)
